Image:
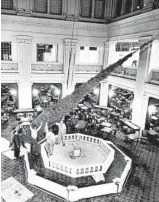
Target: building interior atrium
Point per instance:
(80, 100)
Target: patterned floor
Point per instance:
(142, 184)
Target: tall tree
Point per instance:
(69, 102)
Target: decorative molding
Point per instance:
(9, 66)
(47, 67)
(70, 42)
(24, 39)
(88, 68)
(106, 44)
(56, 24)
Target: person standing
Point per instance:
(50, 139)
(16, 142)
(62, 132)
(34, 131)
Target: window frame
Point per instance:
(9, 54)
(56, 56)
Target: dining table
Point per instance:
(130, 124)
(106, 124)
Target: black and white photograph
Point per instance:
(80, 100)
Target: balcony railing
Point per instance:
(130, 73)
(47, 68)
(9, 67)
(88, 68)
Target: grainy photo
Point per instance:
(80, 100)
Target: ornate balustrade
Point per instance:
(47, 68)
(9, 67)
(155, 77)
(81, 170)
(88, 68)
(125, 72)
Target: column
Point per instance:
(24, 62)
(106, 55)
(137, 113)
(72, 9)
(64, 90)
(69, 63)
(48, 7)
(104, 92)
(123, 7)
(153, 56)
(144, 111)
(113, 8)
(93, 7)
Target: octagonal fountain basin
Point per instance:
(85, 167)
(82, 155)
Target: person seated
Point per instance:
(5, 118)
(80, 125)
(88, 127)
(133, 137)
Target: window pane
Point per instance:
(6, 51)
(7, 4)
(47, 53)
(40, 6)
(128, 6)
(99, 9)
(118, 8)
(56, 7)
(86, 8)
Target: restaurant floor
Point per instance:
(142, 184)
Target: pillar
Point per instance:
(104, 92)
(72, 9)
(137, 113)
(106, 55)
(123, 7)
(153, 56)
(144, 111)
(69, 64)
(24, 62)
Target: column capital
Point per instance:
(24, 39)
(106, 44)
(70, 42)
(145, 39)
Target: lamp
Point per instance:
(35, 92)
(13, 92)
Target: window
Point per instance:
(40, 6)
(99, 9)
(89, 55)
(118, 8)
(128, 6)
(56, 7)
(7, 4)
(126, 46)
(47, 53)
(6, 51)
(86, 8)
